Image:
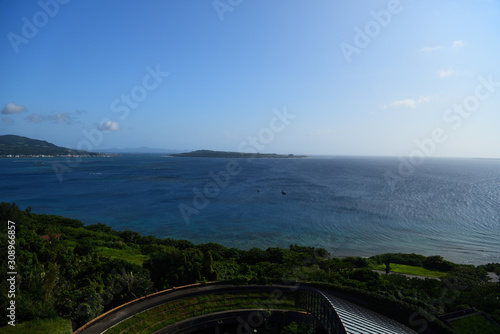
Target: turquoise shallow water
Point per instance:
(449, 207)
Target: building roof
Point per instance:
(358, 320)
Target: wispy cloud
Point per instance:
(7, 121)
(446, 73)
(109, 126)
(61, 118)
(12, 108)
(429, 49)
(409, 103)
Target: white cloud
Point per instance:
(429, 49)
(446, 73)
(62, 117)
(12, 108)
(37, 118)
(107, 126)
(410, 103)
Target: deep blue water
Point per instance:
(449, 207)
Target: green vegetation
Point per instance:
(476, 324)
(17, 145)
(77, 272)
(132, 255)
(434, 262)
(493, 267)
(170, 313)
(40, 326)
(295, 328)
(412, 270)
(220, 154)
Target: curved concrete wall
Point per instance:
(316, 302)
(127, 310)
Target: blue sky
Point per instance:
(360, 77)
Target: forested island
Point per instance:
(18, 146)
(69, 273)
(232, 155)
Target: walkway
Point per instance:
(493, 277)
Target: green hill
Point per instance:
(17, 145)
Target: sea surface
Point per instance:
(449, 207)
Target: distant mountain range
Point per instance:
(16, 145)
(11, 145)
(138, 150)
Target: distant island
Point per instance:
(222, 154)
(137, 150)
(12, 146)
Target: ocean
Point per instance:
(447, 207)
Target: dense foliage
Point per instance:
(78, 272)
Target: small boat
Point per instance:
(283, 192)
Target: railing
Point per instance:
(315, 302)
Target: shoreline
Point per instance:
(283, 242)
(337, 252)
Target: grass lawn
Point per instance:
(475, 324)
(40, 326)
(130, 255)
(404, 269)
